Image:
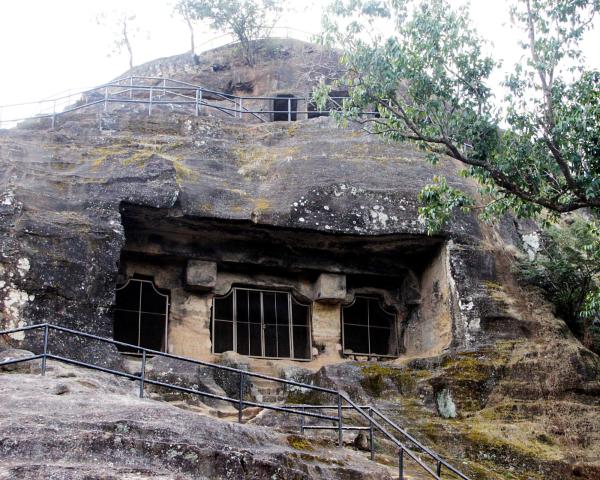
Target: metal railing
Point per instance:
(375, 419)
(153, 92)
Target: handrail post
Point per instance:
(401, 464)
(105, 98)
(130, 87)
(150, 104)
(198, 101)
(371, 443)
(241, 107)
(438, 470)
(241, 398)
(164, 86)
(340, 422)
(53, 113)
(289, 109)
(45, 349)
(302, 420)
(143, 373)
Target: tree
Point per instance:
(536, 151)
(567, 268)
(122, 28)
(185, 9)
(247, 20)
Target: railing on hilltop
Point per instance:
(153, 92)
(287, 32)
(374, 417)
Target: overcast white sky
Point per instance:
(49, 46)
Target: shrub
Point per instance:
(567, 269)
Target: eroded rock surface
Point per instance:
(77, 424)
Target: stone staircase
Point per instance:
(267, 391)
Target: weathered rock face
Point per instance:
(234, 191)
(282, 66)
(479, 410)
(61, 239)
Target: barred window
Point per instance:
(141, 316)
(368, 328)
(261, 323)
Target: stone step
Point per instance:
(269, 398)
(264, 382)
(269, 391)
(265, 368)
(273, 399)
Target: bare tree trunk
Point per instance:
(192, 44)
(247, 49)
(127, 43)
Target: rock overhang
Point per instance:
(309, 175)
(158, 233)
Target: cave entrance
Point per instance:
(368, 328)
(141, 316)
(285, 108)
(261, 323)
(199, 259)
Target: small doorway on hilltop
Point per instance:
(285, 108)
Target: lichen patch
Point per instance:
(14, 302)
(23, 266)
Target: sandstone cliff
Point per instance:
(497, 381)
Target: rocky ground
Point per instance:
(497, 413)
(515, 410)
(79, 424)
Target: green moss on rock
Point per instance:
(378, 376)
(299, 443)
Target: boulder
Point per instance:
(187, 375)
(361, 442)
(15, 354)
(230, 381)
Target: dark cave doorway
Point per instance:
(285, 108)
(141, 316)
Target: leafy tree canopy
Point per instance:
(537, 150)
(247, 20)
